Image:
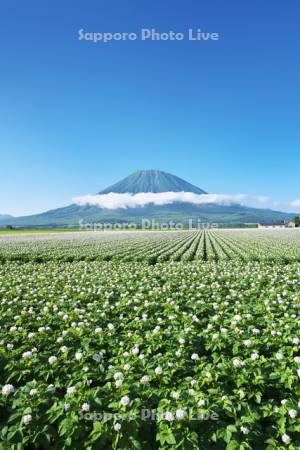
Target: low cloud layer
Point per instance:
(116, 201)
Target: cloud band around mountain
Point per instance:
(123, 201)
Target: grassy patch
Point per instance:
(39, 231)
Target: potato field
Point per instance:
(150, 340)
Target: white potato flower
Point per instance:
(237, 362)
(117, 427)
(286, 438)
(27, 419)
(158, 370)
(169, 416)
(293, 413)
(52, 360)
(175, 395)
(78, 356)
(118, 375)
(144, 379)
(33, 392)
(180, 414)
(7, 389)
(85, 407)
(71, 390)
(125, 400)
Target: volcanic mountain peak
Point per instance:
(149, 181)
(152, 181)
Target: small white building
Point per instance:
(291, 224)
(272, 225)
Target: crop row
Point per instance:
(201, 245)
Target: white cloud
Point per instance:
(115, 201)
(295, 203)
(262, 200)
(122, 201)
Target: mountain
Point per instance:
(5, 216)
(150, 181)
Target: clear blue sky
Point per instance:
(77, 116)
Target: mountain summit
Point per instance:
(152, 181)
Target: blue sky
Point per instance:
(76, 116)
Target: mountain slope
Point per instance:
(234, 215)
(152, 181)
(5, 216)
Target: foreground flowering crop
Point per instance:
(185, 355)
